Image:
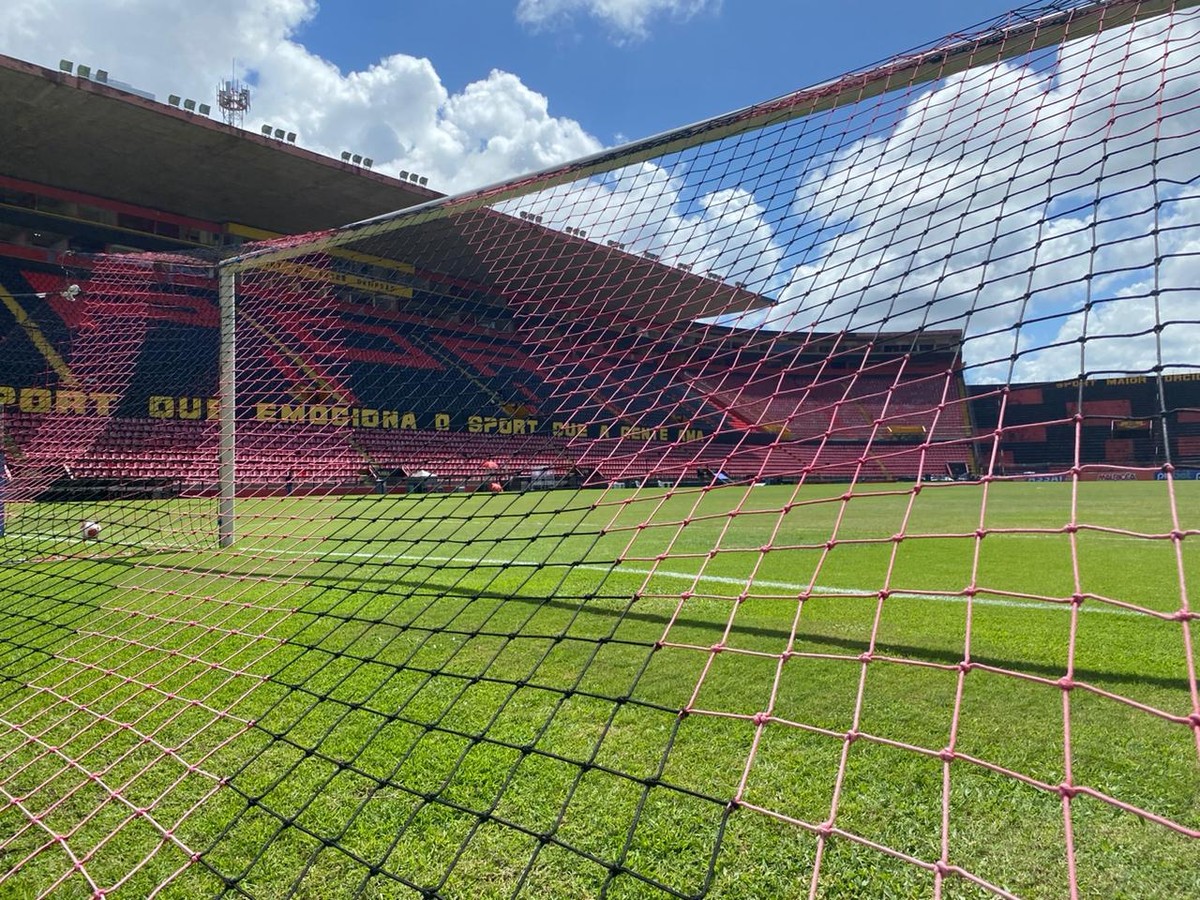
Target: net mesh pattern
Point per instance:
(798, 504)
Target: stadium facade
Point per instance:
(125, 173)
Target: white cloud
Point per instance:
(1153, 320)
(1027, 203)
(1003, 200)
(629, 19)
(722, 232)
(397, 111)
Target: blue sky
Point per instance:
(469, 93)
(619, 86)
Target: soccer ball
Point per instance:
(89, 530)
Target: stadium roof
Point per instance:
(77, 134)
(566, 275)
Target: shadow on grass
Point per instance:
(408, 588)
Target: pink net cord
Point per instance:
(782, 506)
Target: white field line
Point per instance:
(625, 569)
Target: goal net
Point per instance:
(795, 504)
(88, 352)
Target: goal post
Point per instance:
(227, 397)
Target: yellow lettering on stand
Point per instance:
(162, 407)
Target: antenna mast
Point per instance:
(234, 99)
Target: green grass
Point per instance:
(489, 696)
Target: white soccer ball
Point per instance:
(90, 530)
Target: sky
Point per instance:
(471, 92)
(1045, 204)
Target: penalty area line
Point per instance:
(625, 569)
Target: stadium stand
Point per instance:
(782, 419)
(1123, 421)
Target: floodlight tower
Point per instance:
(234, 99)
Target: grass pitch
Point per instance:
(561, 694)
